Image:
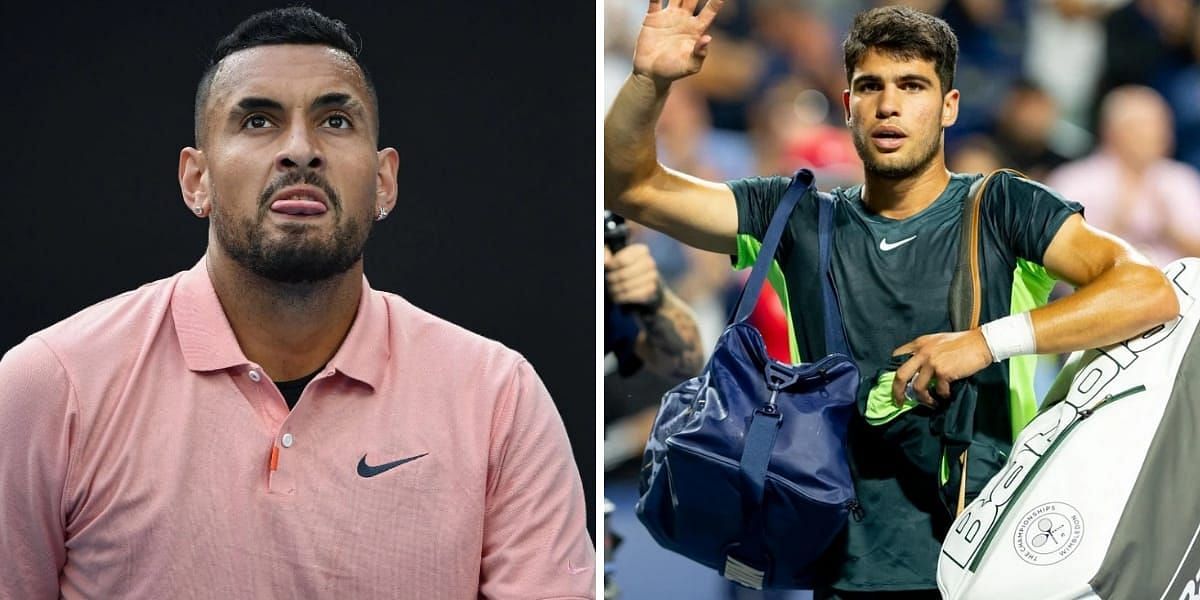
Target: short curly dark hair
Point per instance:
(291, 25)
(904, 33)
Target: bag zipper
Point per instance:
(848, 504)
(1037, 466)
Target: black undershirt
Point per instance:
(291, 390)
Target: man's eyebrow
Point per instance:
(916, 77)
(335, 100)
(903, 78)
(330, 100)
(256, 103)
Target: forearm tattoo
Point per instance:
(672, 344)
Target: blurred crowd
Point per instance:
(1099, 99)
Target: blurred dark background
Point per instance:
(490, 105)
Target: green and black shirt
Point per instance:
(893, 282)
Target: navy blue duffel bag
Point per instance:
(746, 470)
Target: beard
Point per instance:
(298, 256)
(901, 170)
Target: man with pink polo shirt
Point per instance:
(266, 425)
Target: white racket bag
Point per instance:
(1100, 497)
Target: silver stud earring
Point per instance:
(198, 209)
(382, 214)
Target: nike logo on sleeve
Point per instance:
(573, 570)
(885, 246)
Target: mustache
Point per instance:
(304, 176)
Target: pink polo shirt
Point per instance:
(137, 442)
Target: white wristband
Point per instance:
(1010, 336)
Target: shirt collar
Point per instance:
(208, 342)
(364, 353)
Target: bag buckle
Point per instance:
(779, 375)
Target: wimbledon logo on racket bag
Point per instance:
(1048, 533)
(972, 533)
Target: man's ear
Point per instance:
(950, 108)
(846, 105)
(386, 188)
(193, 181)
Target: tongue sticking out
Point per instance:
(295, 206)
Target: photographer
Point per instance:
(644, 322)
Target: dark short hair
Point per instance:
(904, 33)
(291, 25)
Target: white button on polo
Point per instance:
(287, 440)
(254, 376)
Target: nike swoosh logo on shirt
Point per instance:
(885, 246)
(572, 569)
(365, 470)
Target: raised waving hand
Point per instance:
(672, 44)
(673, 41)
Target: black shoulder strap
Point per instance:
(966, 299)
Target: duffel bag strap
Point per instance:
(801, 184)
(747, 562)
(835, 332)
